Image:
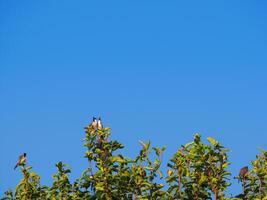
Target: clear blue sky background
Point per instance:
(153, 70)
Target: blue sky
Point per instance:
(153, 70)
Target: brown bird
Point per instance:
(94, 123)
(243, 172)
(21, 160)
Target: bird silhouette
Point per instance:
(21, 160)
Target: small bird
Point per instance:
(243, 172)
(21, 160)
(94, 123)
(99, 124)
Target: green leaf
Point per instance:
(117, 159)
(149, 168)
(212, 141)
(160, 173)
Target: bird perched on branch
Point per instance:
(94, 123)
(243, 172)
(21, 160)
(99, 124)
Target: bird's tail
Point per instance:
(15, 166)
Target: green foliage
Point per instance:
(254, 183)
(29, 186)
(61, 188)
(197, 171)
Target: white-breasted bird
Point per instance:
(99, 124)
(94, 123)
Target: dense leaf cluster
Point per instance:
(197, 171)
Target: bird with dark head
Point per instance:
(94, 123)
(21, 160)
(99, 124)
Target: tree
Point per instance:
(197, 171)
